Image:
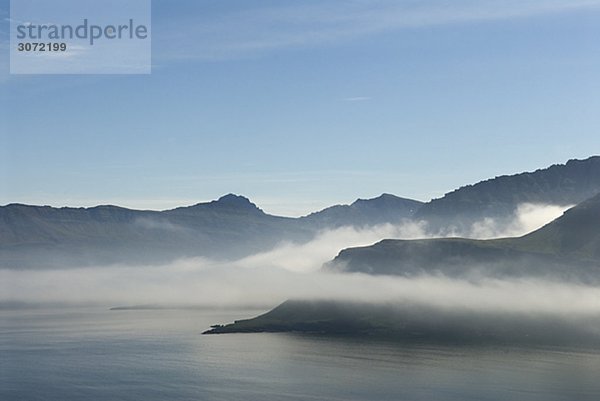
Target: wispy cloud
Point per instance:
(356, 99)
(246, 33)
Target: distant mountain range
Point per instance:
(32, 236)
(228, 228)
(233, 227)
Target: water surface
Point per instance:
(96, 354)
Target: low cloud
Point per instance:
(310, 256)
(527, 218)
(326, 245)
(294, 271)
(204, 283)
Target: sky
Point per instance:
(302, 104)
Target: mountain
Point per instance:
(32, 236)
(498, 198)
(228, 228)
(567, 248)
(365, 212)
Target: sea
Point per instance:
(94, 353)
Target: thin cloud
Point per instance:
(528, 217)
(250, 32)
(356, 99)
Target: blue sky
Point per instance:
(302, 104)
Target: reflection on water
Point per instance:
(96, 354)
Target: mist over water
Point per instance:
(92, 354)
(293, 271)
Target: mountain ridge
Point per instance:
(233, 227)
(384, 209)
(230, 227)
(498, 198)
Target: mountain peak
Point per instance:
(382, 197)
(233, 201)
(385, 199)
(233, 198)
(230, 203)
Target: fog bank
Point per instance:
(203, 283)
(293, 271)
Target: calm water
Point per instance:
(95, 354)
